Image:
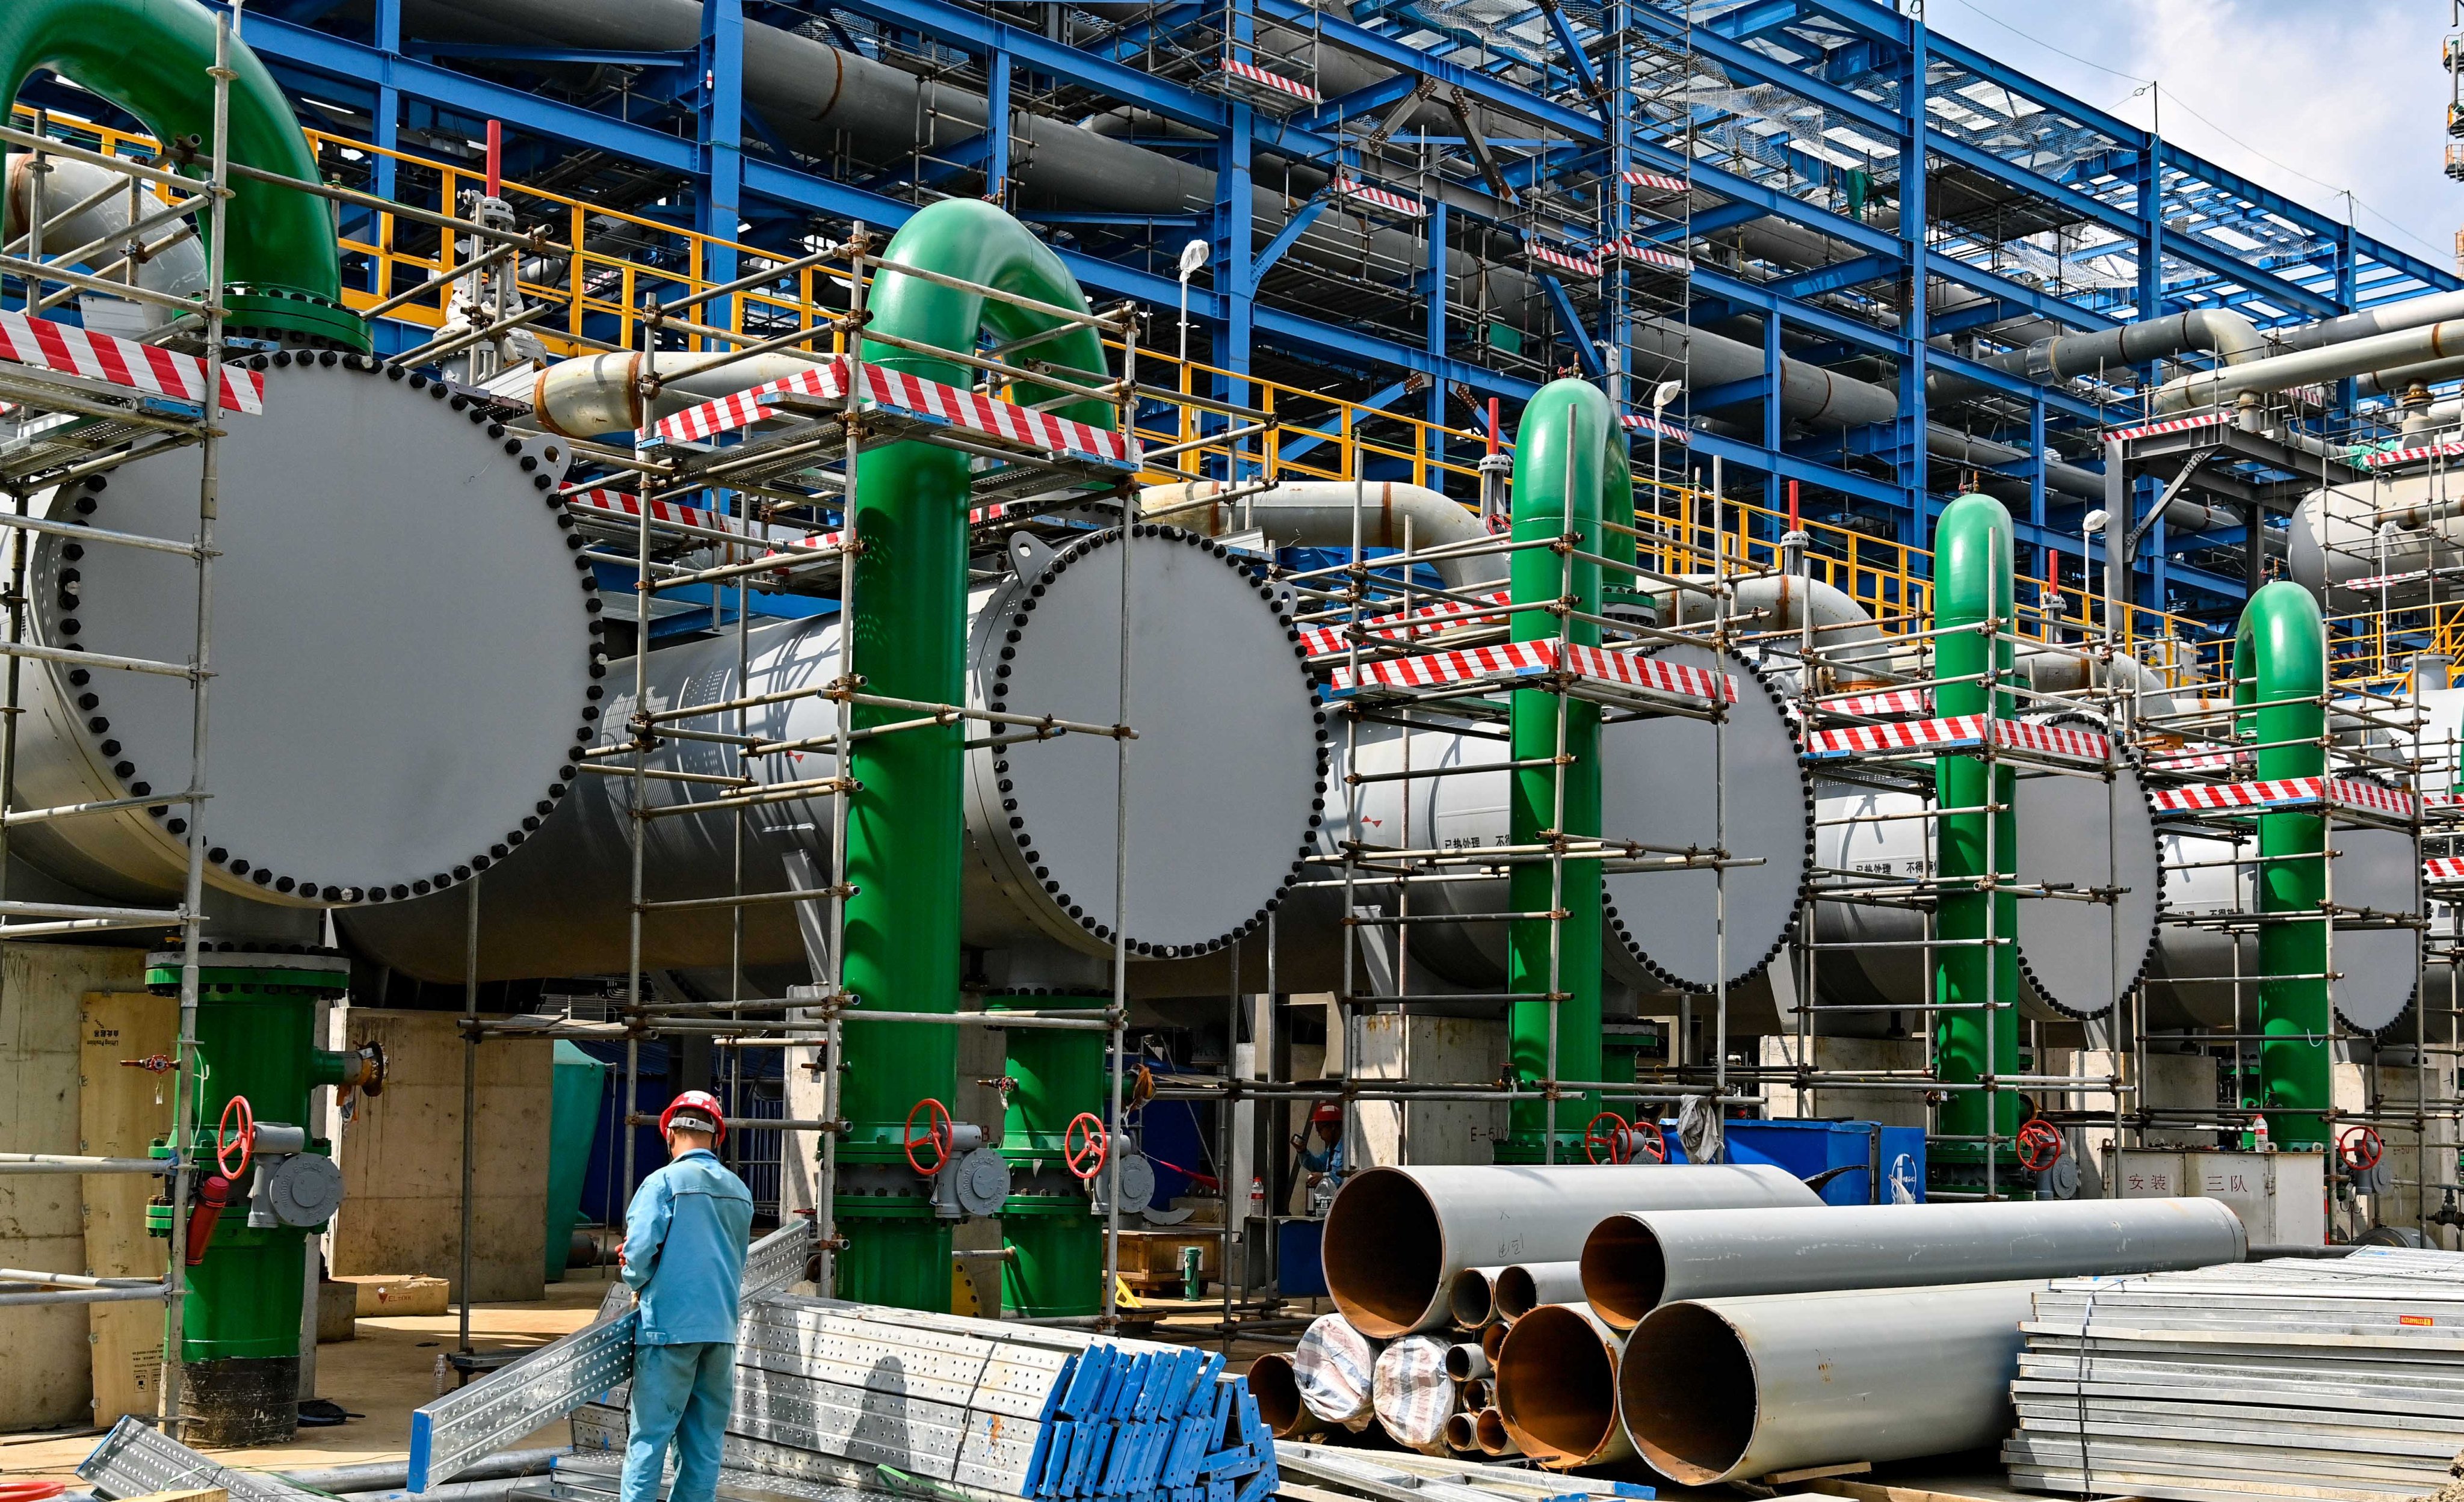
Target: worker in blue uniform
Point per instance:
(685, 1236)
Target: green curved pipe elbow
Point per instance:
(2281, 681)
(1570, 471)
(1973, 585)
(280, 269)
(909, 626)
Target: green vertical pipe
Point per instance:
(1570, 470)
(2280, 676)
(1054, 1238)
(909, 626)
(1972, 561)
(150, 57)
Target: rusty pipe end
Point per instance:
(1686, 1394)
(1624, 1272)
(1557, 1387)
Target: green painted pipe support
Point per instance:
(2281, 673)
(905, 822)
(1570, 470)
(1055, 1239)
(282, 277)
(1972, 564)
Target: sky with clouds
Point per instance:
(2310, 97)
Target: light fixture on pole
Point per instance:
(1192, 260)
(2094, 522)
(1662, 395)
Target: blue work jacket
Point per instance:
(685, 1236)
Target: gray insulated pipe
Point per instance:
(1213, 837)
(810, 92)
(1319, 513)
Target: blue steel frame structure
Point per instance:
(2033, 211)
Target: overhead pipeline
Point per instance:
(1320, 514)
(173, 264)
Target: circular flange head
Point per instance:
(2377, 968)
(401, 649)
(1225, 772)
(1662, 781)
(2078, 957)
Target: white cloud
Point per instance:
(2350, 93)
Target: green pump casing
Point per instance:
(281, 273)
(1570, 471)
(2280, 682)
(1973, 585)
(907, 629)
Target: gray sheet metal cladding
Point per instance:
(1225, 775)
(401, 651)
(1661, 785)
(2084, 834)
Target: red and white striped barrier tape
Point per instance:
(1557, 260)
(2352, 793)
(624, 503)
(1659, 179)
(1531, 659)
(1250, 72)
(1445, 614)
(2446, 868)
(1645, 255)
(1359, 192)
(2177, 424)
(1673, 431)
(1898, 700)
(1957, 732)
(2196, 760)
(2394, 456)
(910, 397)
(57, 347)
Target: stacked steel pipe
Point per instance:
(1658, 1331)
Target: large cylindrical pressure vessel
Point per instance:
(1633, 1263)
(2076, 957)
(2339, 542)
(1223, 781)
(401, 650)
(1722, 1390)
(1671, 784)
(1396, 1237)
(2204, 958)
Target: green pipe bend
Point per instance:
(280, 269)
(2280, 682)
(1571, 472)
(1973, 585)
(905, 819)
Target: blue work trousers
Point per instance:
(680, 1392)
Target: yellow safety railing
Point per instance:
(1315, 436)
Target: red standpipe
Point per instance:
(1792, 506)
(495, 159)
(1492, 424)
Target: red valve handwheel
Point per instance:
(1086, 1144)
(1658, 1148)
(938, 1135)
(2361, 1148)
(2039, 1145)
(245, 1141)
(1614, 1142)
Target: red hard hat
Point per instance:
(696, 1102)
(1326, 1112)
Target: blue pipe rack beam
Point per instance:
(1807, 114)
